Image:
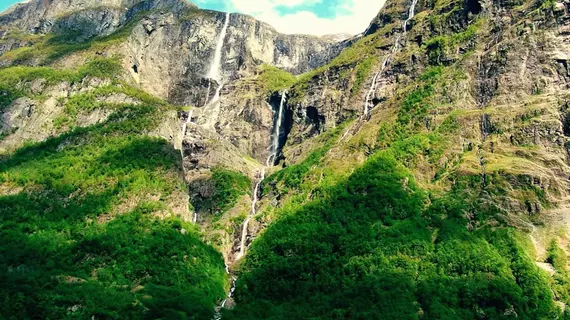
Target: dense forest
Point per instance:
(161, 161)
(80, 231)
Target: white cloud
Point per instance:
(353, 16)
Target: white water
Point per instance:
(375, 81)
(216, 74)
(218, 314)
(217, 94)
(215, 67)
(277, 131)
(184, 128)
(256, 190)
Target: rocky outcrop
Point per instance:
(77, 16)
(168, 49)
(38, 115)
(178, 51)
(173, 41)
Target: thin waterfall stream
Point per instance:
(216, 74)
(274, 152)
(368, 104)
(277, 131)
(216, 66)
(184, 128)
(253, 211)
(260, 176)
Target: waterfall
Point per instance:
(218, 314)
(277, 131)
(215, 67)
(252, 213)
(367, 103)
(217, 94)
(184, 128)
(270, 160)
(274, 150)
(376, 81)
(216, 74)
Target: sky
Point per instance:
(4, 4)
(317, 17)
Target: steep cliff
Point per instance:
(418, 171)
(424, 142)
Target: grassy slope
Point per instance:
(78, 216)
(375, 245)
(372, 244)
(366, 244)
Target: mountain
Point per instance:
(162, 161)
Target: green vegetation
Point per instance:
(15, 81)
(362, 73)
(89, 101)
(413, 111)
(292, 177)
(438, 48)
(274, 79)
(80, 219)
(99, 67)
(374, 247)
(55, 254)
(557, 257)
(221, 192)
(359, 56)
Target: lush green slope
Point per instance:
(372, 244)
(86, 220)
(377, 247)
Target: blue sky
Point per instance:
(305, 16)
(297, 16)
(4, 4)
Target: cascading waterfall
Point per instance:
(274, 148)
(376, 80)
(270, 161)
(218, 314)
(277, 131)
(216, 66)
(243, 240)
(216, 74)
(256, 191)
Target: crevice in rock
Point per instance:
(566, 123)
(135, 68)
(474, 6)
(315, 118)
(487, 126)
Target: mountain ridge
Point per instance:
(418, 171)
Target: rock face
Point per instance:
(177, 35)
(464, 94)
(169, 52)
(39, 16)
(181, 49)
(508, 93)
(168, 49)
